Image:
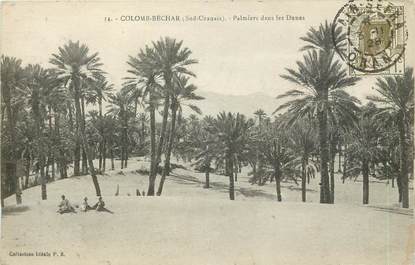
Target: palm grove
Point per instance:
(47, 128)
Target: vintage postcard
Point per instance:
(207, 132)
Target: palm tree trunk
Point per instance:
(3, 190)
(303, 178)
(12, 134)
(122, 156)
(207, 177)
(39, 124)
(344, 164)
(3, 107)
(84, 165)
(167, 165)
(235, 169)
(152, 175)
(229, 166)
(277, 170)
(126, 157)
(77, 149)
(104, 151)
(403, 164)
(254, 172)
(112, 157)
(41, 158)
(51, 158)
(399, 184)
(2, 195)
(64, 166)
(161, 139)
(258, 171)
(52, 149)
(27, 171)
(101, 133)
(277, 181)
(324, 158)
(60, 157)
(166, 169)
(340, 157)
(53, 168)
(142, 136)
(332, 180)
(42, 177)
(100, 156)
(77, 158)
(47, 169)
(85, 142)
(365, 173)
(332, 157)
(125, 142)
(84, 162)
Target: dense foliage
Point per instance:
(60, 121)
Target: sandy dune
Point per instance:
(192, 225)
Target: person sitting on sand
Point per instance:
(65, 206)
(85, 206)
(100, 206)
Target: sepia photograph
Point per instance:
(207, 132)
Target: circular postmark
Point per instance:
(369, 35)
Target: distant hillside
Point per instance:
(245, 104)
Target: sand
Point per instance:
(193, 225)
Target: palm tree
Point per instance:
(54, 100)
(61, 142)
(256, 162)
(120, 107)
(364, 147)
(231, 132)
(182, 92)
(100, 90)
(39, 87)
(320, 79)
(75, 66)
(143, 119)
(260, 113)
(326, 38)
(396, 99)
(28, 142)
(302, 140)
(271, 149)
(149, 82)
(12, 78)
(136, 94)
(85, 90)
(390, 151)
(169, 59)
(110, 137)
(204, 157)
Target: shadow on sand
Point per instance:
(221, 187)
(296, 188)
(14, 210)
(407, 212)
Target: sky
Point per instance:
(235, 57)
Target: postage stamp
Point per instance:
(374, 37)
